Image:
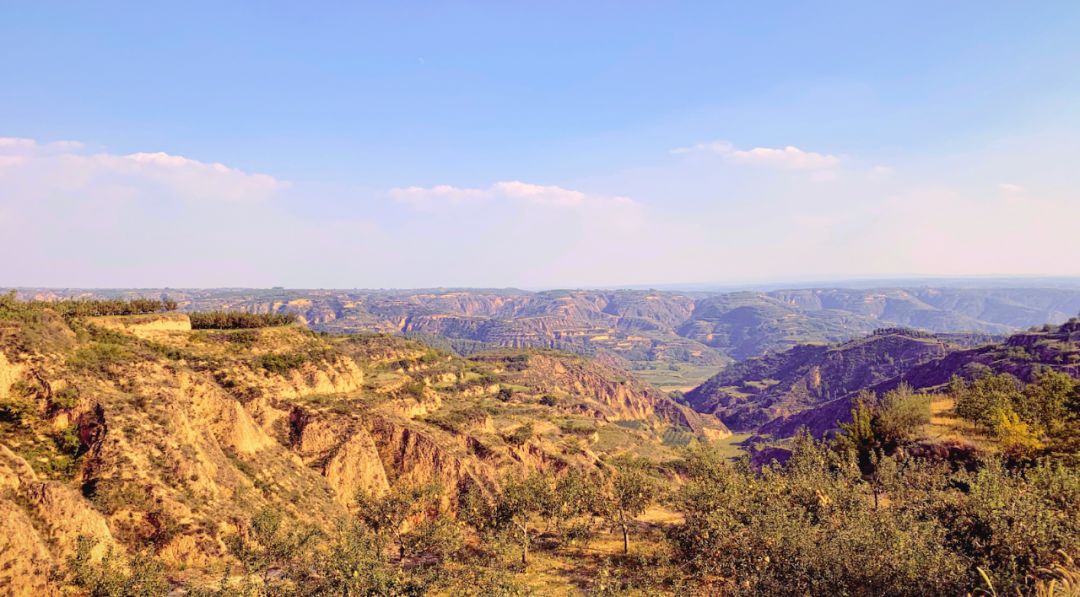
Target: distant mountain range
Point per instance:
(707, 329)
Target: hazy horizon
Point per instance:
(974, 282)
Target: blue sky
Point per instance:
(536, 144)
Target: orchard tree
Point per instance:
(521, 500)
(628, 493)
(386, 514)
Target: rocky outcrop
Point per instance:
(412, 456)
(342, 450)
(9, 374)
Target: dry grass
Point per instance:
(945, 425)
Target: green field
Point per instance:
(673, 376)
(730, 447)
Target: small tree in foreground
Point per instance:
(522, 499)
(629, 493)
(270, 542)
(386, 514)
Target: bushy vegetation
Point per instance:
(237, 320)
(1024, 418)
(880, 425)
(100, 307)
(807, 527)
(283, 363)
(113, 575)
(90, 307)
(811, 526)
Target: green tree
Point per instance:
(578, 496)
(628, 493)
(270, 543)
(353, 564)
(385, 514)
(521, 500)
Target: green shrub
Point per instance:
(520, 435)
(1022, 416)
(143, 576)
(65, 398)
(412, 389)
(12, 308)
(283, 363)
(100, 357)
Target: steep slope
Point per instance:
(136, 431)
(813, 386)
(753, 392)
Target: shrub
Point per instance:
(520, 435)
(100, 307)
(808, 527)
(386, 514)
(12, 308)
(143, 576)
(272, 543)
(100, 357)
(65, 398)
(282, 363)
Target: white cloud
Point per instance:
(1011, 189)
(156, 219)
(969, 233)
(823, 176)
(789, 157)
(47, 167)
(425, 197)
(24, 145)
(881, 172)
(428, 198)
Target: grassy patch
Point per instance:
(673, 376)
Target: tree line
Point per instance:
(237, 320)
(94, 307)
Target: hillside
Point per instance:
(137, 430)
(671, 338)
(813, 386)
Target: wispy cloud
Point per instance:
(427, 198)
(24, 145)
(789, 157)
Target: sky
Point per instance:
(535, 144)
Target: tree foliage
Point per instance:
(810, 526)
(387, 514)
(236, 320)
(1023, 417)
